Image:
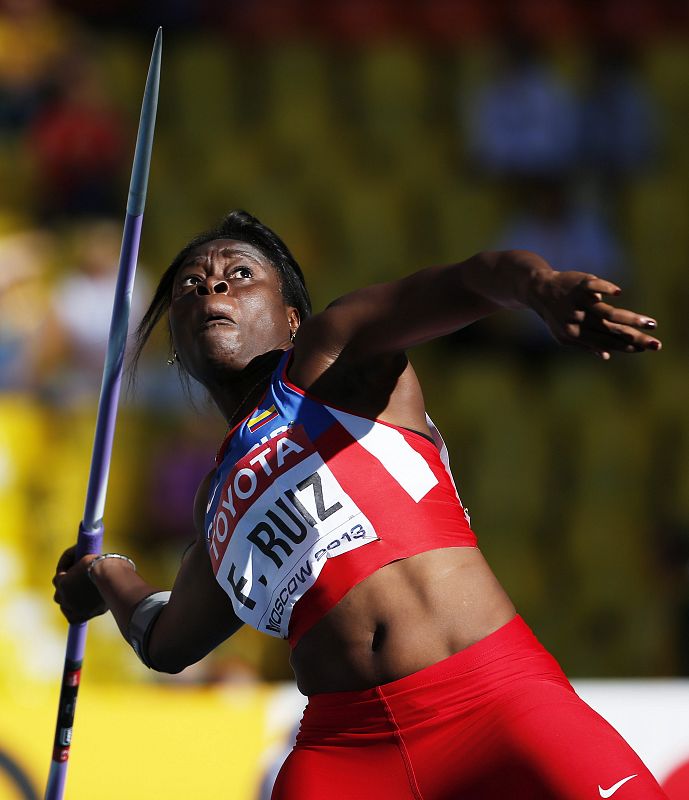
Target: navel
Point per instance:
(379, 637)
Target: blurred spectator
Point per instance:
(447, 22)
(619, 128)
(82, 309)
(32, 37)
(524, 121)
(24, 301)
(137, 16)
(355, 22)
(632, 20)
(261, 21)
(77, 146)
(567, 232)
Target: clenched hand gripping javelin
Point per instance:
(90, 535)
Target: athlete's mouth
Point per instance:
(216, 319)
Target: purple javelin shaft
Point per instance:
(112, 379)
(90, 535)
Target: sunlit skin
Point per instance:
(230, 325)
(227, 312)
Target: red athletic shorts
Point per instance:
(497, 720)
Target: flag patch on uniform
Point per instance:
(259, 420)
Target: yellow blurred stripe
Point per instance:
(143, 742)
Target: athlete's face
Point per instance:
(227, 308)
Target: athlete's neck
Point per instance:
(235, 394)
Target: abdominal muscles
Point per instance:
(406, 616)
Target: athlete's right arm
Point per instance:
(197, 617)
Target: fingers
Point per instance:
(578, 315)
(72, 616)
(596, 287)
(66, 610)
(623, 330)
(604, 328)
(78, 598)
(67, 559)
(630, 340)
(622, 316)
(608, 337)
(77, 615)
(603, 336)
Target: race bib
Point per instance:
(281, 513)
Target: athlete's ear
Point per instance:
(293, 319)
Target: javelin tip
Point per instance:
(144, 138)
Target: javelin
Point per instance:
(90, 536)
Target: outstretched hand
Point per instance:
(573, 306)
(75, 593)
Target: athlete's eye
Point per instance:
(242, 272)
(191, 280)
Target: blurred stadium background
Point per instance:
(376, 137)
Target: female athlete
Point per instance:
(331, 519)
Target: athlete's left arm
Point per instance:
(389, 318)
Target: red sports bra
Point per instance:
(308, 500)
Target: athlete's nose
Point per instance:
(211, 286)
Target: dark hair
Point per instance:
(242, 227)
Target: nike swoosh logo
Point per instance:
(611, 791)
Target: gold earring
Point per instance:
(171, 361)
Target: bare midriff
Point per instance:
(406, 616)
